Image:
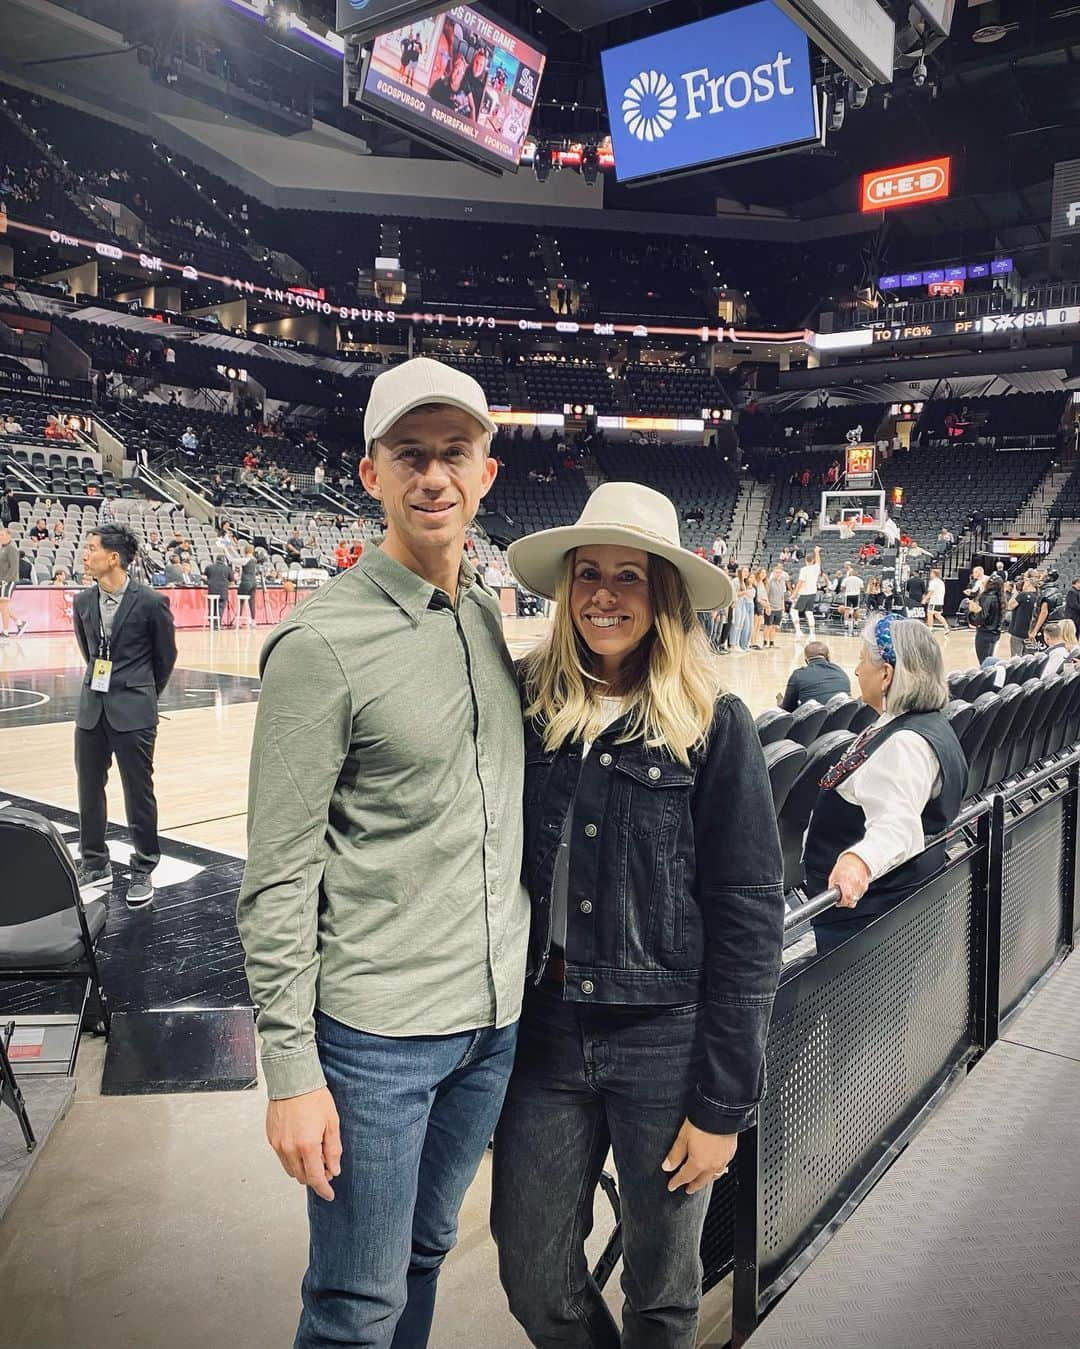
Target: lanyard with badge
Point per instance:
(102, 672)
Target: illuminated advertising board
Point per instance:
(729, 88)
(462, 80)
(906, 185)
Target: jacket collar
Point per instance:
(411, 593)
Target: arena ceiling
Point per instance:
(1005, 110)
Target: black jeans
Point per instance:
(134, 752)
(587, 1079)
(985, 644)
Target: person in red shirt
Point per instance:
(54, 431)
(357, 551)
(342, 557)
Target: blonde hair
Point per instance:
(670, 681)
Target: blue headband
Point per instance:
(883, 637)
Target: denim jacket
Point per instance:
(675, 890)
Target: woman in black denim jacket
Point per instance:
(652, 858)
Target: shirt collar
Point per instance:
(411, 593)
(115, 596)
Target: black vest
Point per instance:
(836, 825)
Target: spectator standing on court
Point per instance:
(386, 926)
(245, 587)
(777, 588)
(985, 617)
(819, 680)
(219, 575)
(916, 596)
(806, 588)
(851, 588)
(9, 579)
(1022, 610)
(935, 600)
(126, 635)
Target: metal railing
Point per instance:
(865, 1038)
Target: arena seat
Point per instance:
(983, 681)
(1019, 734)
(958, 714)
(1066, 725)
(773, 725)
(784, 760)
(1052, 716)
(803, 793)
(841, 708)
(988, 708)
(864, 717)
(960, 682)
(1013, 715)
(806, 722)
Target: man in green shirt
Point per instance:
(382, 910)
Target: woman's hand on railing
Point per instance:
(851, 876)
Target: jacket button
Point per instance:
(590, 831)
(654, 773)
(587, 986)
(585, 906)
(605, 760)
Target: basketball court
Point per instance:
(166, 1216)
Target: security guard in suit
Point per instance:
(126, 634)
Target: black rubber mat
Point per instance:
(970, 1240)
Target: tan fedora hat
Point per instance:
(626, 513)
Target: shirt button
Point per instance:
(654, 773)
(587, 986)
(605, 760)
(590, 831)
(585, 906)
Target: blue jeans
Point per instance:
(586, 1079)
(742, 624)
(416, 1115)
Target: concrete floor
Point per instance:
(165, 1222)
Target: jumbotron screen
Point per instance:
(462, 78)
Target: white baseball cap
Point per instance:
(411, 385)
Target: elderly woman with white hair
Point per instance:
(898, 785)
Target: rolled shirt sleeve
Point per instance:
(892, 789)
(302, 735)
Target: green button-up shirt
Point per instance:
(383, 880)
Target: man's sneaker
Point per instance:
(93, 875)
(140, 892)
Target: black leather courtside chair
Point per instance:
(47, 932)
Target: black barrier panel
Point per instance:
(1032, 894)
(718, 1236)
(859, 1042)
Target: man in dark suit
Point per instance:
(819, 679)
(126, 635)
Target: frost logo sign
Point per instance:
(731, 87)
(649, 105)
